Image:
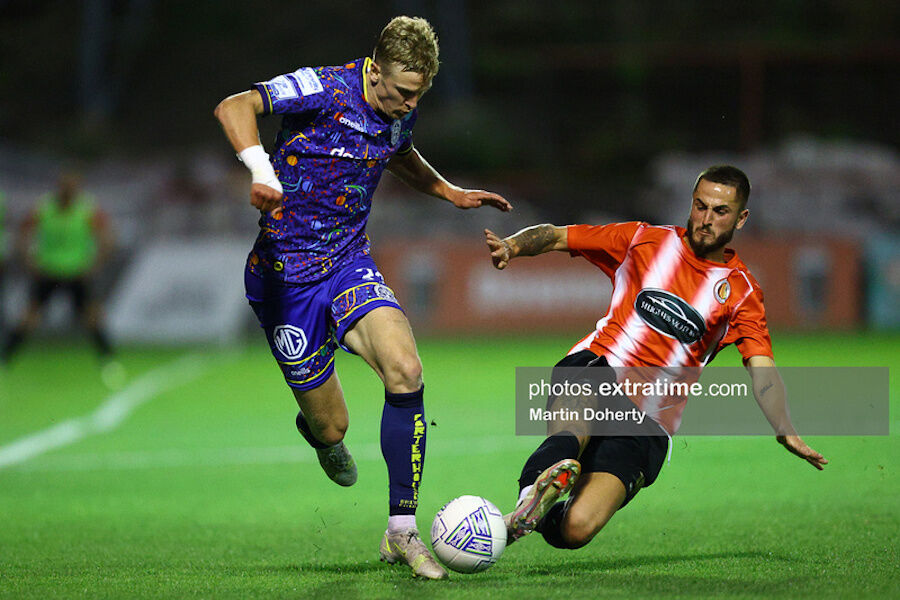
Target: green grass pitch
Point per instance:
(201, 488)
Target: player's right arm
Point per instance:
(237, 114)
(530, 241)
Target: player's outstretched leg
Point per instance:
(574, 523)
(403, 432)
(556, 481)
(335, 460)
(383, 338)
(553, 449)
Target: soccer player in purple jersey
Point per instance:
(310, 277)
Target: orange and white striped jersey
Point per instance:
(669, 308)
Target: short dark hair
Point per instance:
(728, 175)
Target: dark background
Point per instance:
(575, 111)
(560, 96)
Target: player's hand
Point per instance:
(500, 250)
(798, 447)
(476, 198)
(265, 198)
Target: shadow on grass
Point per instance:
(572, 576)
(661, 585)
(643, 575)
(348, 568)
(587, 565)
(581, 566)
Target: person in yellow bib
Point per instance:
(64, 241)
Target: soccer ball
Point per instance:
(468, 534)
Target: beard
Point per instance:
(703, 248)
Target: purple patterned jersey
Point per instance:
(331, 152)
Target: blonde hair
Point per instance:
(411, 43)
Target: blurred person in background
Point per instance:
(3, 252)
(310, 277)
(64, 241)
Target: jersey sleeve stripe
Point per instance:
(263, 90)
(747, 293)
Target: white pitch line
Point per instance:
(108, 415)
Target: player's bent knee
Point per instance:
(566, 539)
(331, 434)
(330, 431)
(404, 375)
(577, 532)
(577, 540)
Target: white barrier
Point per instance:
(182, 292)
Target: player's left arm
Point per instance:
(768, 389)
(414, 171)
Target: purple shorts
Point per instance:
(306, 323)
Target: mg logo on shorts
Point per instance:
(670, 315)
(290, 341)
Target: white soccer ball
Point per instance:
(468, 534)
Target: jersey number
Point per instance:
(371, 275)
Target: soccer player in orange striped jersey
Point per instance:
(679, 296)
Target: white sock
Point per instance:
(401, 522)
(523, 493)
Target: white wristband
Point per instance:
(256, 159)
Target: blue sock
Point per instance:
(553, 449)
(403, 448)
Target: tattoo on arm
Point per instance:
(534, 240)
(765, 389)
